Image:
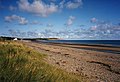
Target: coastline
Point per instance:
(94, 47)
(95, 65)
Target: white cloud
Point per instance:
(8, 19)
(22, 21)
(93, 20)
(94, 32)
(70, 21)
(38, 7)
(61, 5)
(94, 28)
(73, 5)
(49, 25)
(12, 18)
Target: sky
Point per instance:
(64, 19)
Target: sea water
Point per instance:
(99, 42)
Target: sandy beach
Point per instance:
(91, 62)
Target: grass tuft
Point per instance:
(22, 64)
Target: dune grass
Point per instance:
(19, 63)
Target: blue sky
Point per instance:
(65, 19)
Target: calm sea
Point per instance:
(103, 42)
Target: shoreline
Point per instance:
(96, 66)
(94, 47)
(85, 44)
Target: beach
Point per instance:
(95, 63)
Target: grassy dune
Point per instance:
(22, 64)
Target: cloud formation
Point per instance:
(38, 7)
(49, 25)
(21, 20)
(100, 31)
(70, 21)
(73, 5)
(43, 9)
(93, 20)
(61, 4)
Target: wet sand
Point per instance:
(96, 63)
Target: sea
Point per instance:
(92, 42)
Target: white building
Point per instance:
(15, 39)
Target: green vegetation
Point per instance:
(22, 64)
(3, 38)
(34, 39)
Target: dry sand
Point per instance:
(96, 66)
